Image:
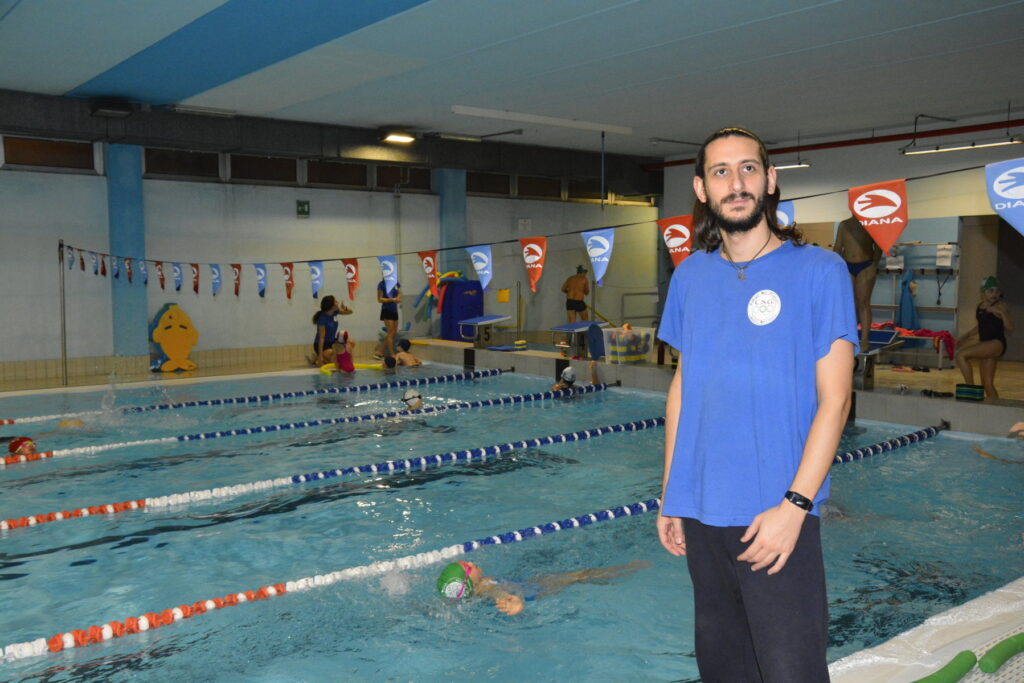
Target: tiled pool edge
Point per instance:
(929, 646)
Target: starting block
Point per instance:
(479, 329)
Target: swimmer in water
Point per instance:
(21, 445)
(404, 357)
(464, 579)
(567, 380)
(412, 399)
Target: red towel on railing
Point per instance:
(938, 337)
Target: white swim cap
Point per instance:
(569, 375)
(411, 395)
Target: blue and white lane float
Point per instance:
(388, 467)
(114, 629)
(266, 429)
(891, 444)
(265, 398)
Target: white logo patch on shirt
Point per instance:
(764, 307)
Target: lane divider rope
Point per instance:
(266, 398)
(891, 444)
(265, 429)
(151, 620)
(388, 467)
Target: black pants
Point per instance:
(750, 626)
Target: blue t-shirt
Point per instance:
(390, 306)
(331, 324)
(748, 350)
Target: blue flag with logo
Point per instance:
(1005, 183)
(480, 257)
(177, 276)
(316, 276)
(143, 272)
(389, 271)
(115, 266)
(215, 278)
(261, 278)
(599, 245)
(71, 257)
(785, 214)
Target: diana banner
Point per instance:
(599, 244)
(70, 256)
(159, 267)
(882, 209)
(195, 277)
(261, 278)
(236, 271)
(215, 280)
(289, 278)
(429, 261)
(389, 271)
(143, 272)
(785, 214)
(1005, 183)
(535, 249)
(677, 232)
(480, 257)
(351, 276)
(316, 277)
(128, 268)
(115, 267)
(176, 269)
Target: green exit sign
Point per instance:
(302, 208)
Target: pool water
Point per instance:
(907, 534)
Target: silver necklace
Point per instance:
(741, 270)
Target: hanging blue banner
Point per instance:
(176, 268)
(1005, 184)
(215, 278)
(316, 276)
(480, 257)
(389, 271)
(95, 262)
(785, 214)
(143, 272)
(115, 266)
(71, 257)
(261, 278)
(599, 244)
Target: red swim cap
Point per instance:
(17, 443)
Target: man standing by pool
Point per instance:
(766, 332)
(576, 287)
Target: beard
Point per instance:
(740, 225)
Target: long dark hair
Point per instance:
(326, 304)
(705, 230)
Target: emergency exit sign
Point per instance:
(302, 208)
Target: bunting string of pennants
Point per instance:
(880, 207)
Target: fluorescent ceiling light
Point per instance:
(913, 149)
(203, 111)
(795, 164)
(399, 137)
(505, 115)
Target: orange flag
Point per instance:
(351, 276)
(534, 251)
(429, 259)
(882, 210)
(289, 278)
(677, 232)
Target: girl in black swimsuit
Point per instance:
(994, 324)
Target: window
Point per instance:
(539, 188)
(181, 163)
(336, 173)
(271, 169)
(488, 183)
(49, 153)
(407, 177)
(587, 188)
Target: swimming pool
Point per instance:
(887, 568)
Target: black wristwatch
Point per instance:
(801, 502)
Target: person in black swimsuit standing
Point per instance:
(994, 324)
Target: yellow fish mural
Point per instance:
(173, 332)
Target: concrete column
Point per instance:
(450, 185)
(126, 218)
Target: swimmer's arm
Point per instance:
(670, 529)
(774, 532)
(505, 602)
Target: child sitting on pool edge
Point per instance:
(403, 357)
(463, 579)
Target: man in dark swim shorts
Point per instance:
(576, 289)
(861, 254)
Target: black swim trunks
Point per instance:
(575, 305)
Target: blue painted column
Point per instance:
(126, 218)
(450, 184)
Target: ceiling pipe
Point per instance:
(856, 142)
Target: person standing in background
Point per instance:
(576, 288)
(862, 254)
(389, 300)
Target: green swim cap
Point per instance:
(989, 283)
(454, 581)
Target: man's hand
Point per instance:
(775, 532)
(670, 533)
(510, 604)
